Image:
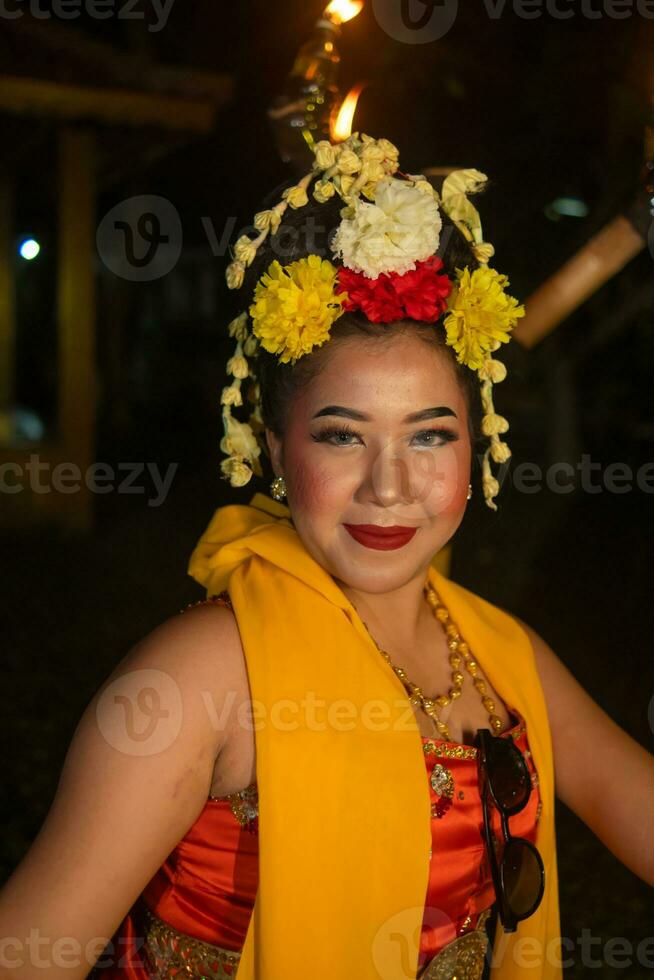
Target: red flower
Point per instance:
(419, 294)
(375, 297)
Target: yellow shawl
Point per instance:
(344, 809)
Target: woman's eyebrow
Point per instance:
(421, 416)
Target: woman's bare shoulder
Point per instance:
(201, 641)
(135, 778)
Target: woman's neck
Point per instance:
(399, 615)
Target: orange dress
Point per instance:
(206, 888)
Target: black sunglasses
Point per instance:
(517, 867)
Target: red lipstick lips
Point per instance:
(381, 538)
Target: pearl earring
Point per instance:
(469, 495)
(278, 488)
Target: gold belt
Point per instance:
(463, 958)
(170, 954)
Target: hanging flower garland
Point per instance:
(388, 270)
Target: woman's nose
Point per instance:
(388, 478)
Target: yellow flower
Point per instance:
(245, 250)
(239, 440)
(345, 183)
(480, 314)
(425, 187)
(250, 346)
(238, 366)
(348, 162)
(492, 370)
(238, 327)
(372, 173)
(492, 424)
(483, 252)
(294, 306)
(234, 275)
(371, 152)
(262, 220)
(325, 155)
(276, 217)
(500, 451)
(231, 396)
(389, 150)
(236, 471)
(296, 196)
(323, 190)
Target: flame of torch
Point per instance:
(341, 125)
(340, 11)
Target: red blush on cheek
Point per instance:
(311, 486)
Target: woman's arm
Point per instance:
(601, 772)
(135, 778)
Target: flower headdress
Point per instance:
(386, 241)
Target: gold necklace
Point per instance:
(459, 653)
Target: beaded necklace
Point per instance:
(459, 653)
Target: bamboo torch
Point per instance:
(304, 112)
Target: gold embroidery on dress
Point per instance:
(217, 599)
(170, 954)
(463, 958)
(442, 783)
(452, 751)
(244, 805)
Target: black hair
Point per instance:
(309, 230)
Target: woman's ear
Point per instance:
(275, 449)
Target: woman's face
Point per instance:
(351, 455)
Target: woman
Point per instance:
(303, 806)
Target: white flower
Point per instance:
(400, 228)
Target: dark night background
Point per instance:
(547, 108)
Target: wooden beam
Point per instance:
(76, 307)
(108, 106)
(580, 277)
(109, 65)
(7, 293)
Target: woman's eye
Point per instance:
(342, 437)
(335, 436)
(444, 435)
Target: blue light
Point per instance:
(29, 249)
(567, 207)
